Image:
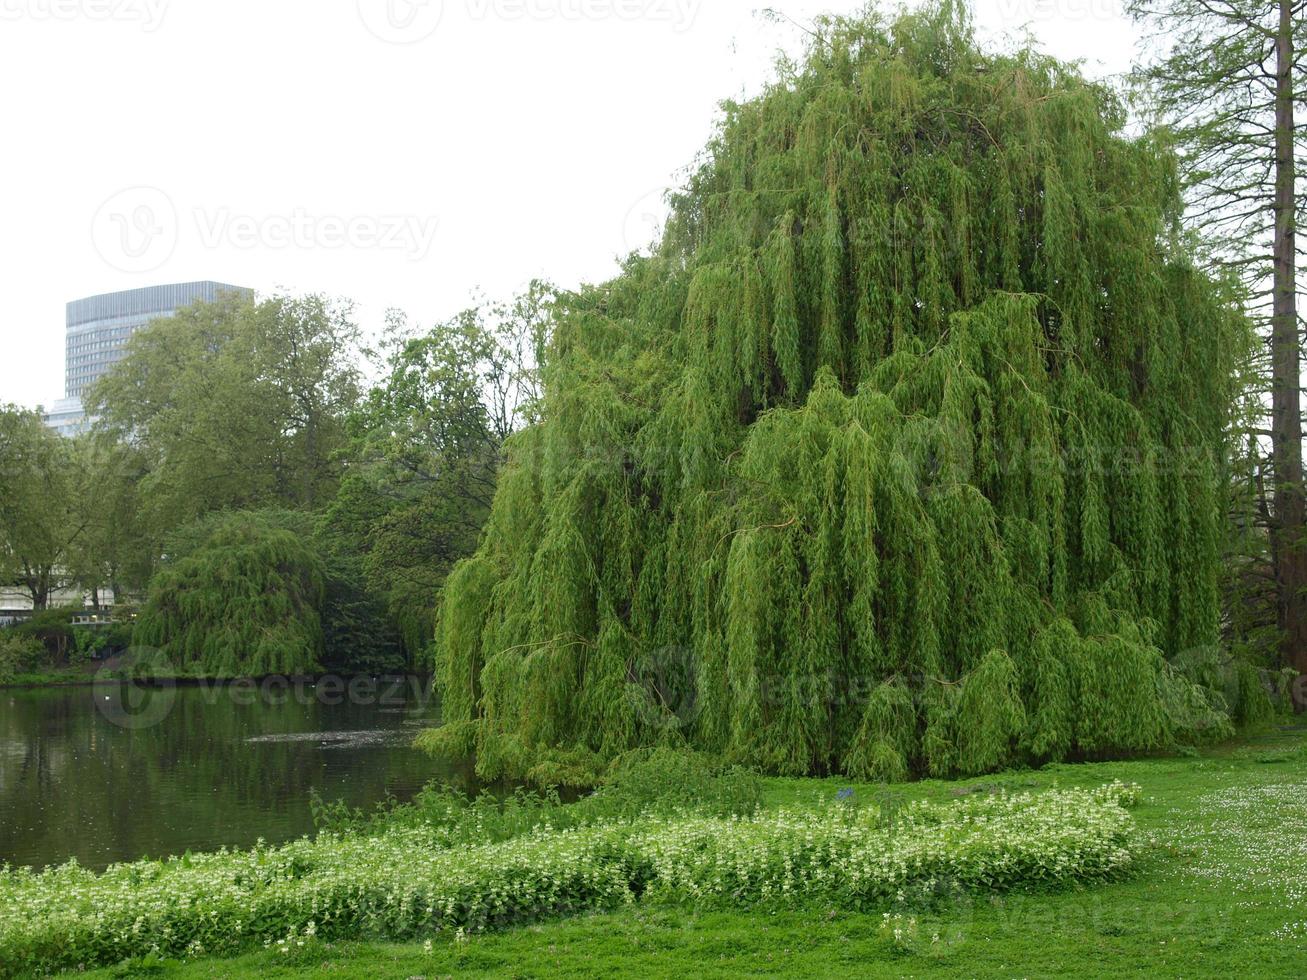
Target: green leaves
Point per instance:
(426, 446)
(234, 404)
(49, 504)
(902, 435)
(246, 603)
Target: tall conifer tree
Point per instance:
(1230, 84)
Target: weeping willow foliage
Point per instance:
(244, 603)
(898, 455)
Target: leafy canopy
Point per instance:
(245, 601)
(235, 404)
(426, 445)
(44, 505)
(900, 454)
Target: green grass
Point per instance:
(97, 672)
(55, 677)
(1222, 892)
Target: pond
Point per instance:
(115, 772)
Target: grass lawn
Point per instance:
(55, 677)
(1221, 892)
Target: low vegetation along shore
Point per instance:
(675, 866)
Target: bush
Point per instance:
(19, 654)
(94, 643)
(645, 783)
(409, 882)
(53, 629)
(50, 640)
(860, 857)
(663, 780)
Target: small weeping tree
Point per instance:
(900, 454)
(245, 600)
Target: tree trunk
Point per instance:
(1286, 416)
(40, 589)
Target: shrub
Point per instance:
(664, 779)
(53, 629)
(853, 858)
(100, 641)
(19, 654)
(642, 784)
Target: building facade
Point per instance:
(97, 331)
(16, 605)
(67, 418)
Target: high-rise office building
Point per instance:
(98, 328)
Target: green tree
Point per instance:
(43, 517)
(244, 599)
(902, 452)
(427, 445)
(1229, 83)
(357, 635)
(115, 550)
(235, 405)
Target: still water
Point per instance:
(118, 772)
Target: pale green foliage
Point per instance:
(18, 653)
(45, 493)
(234, 404)
(245, 603)
(904, 443)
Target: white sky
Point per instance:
(398, 153)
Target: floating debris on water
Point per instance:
(338, 740)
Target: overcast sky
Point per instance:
(399, 153)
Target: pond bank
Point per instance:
(115, 670)
(1216, 897)
(116, 771)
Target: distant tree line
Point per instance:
(272, 509)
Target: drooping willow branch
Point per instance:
(917, 298)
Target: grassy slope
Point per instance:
(1222, 893)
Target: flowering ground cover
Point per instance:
(405, 883)
(1216, 889)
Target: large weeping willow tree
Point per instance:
(900, 454)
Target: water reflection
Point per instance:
(79, 777)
